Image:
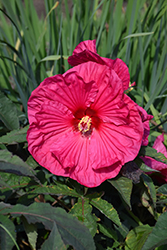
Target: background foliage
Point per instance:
(39, 210)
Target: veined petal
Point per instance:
(159, 146)
(70, 90)
(86, 51)
(88, 44)
(52, 121)
(145, 119)
(109, 104)
(112, 143)
(74, 154)
(117, 143)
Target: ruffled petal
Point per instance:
(53, 120)
(121, 69)
(86, 51)
(88, 44)
(74, 154)
(109, 104)
(111, 143)
(145, 119)
(70, 90)
(159, 146)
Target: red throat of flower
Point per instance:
(85, 124)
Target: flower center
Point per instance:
(84, 124)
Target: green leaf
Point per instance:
(71, 230)
(162, 189)
(54, 241)
(14, 164)
(109, 232)
(124, 187)
(137, 237)
(8, 113)
(15, 136)
(83, 211)
(107, 209)
(7, 233)
(59, 189)
(151, 152)
(31, 162)
(150, 187)
(158, 236)
(139, 34)
(53, 58)
(31, 231)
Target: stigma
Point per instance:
(85, 124)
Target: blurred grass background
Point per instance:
(36, 45)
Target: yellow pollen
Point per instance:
(84, 124)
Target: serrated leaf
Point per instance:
(150, 187)
(124, 187)
(151, 152)
(137, 237)
(13, 164)
(15, 136)
(158, 236)
(31, 162)
(8, 113)
(7, 233)
(58, 189)
(54, 241)
(162, 189)
(109, 232)
(82, 210)
(71, 230)
(31, 232)
(107, 209)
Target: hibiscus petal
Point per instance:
(159, 146)
(69, 90)
(121, 69)
(86, 51)
(145, 119)
(73, 152)
(111, 143)
(52, 121)
(109, 104)
(88, 44)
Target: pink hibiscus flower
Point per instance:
(82, 124)
(152, 163)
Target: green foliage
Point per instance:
(39, 210)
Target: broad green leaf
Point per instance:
(54, 241)
(137, 237)
(13, 164)
(31, 232)
(109, 232)
(158, 236)
(31, 162)
(7, 233)
(150, 187)
(124, 187)
(107, 209)
(71, 230)
(83, 211)
(151, 152)
(8, 113)
(15, 136)
(12, 181)
(162, 189)
(59, 189)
